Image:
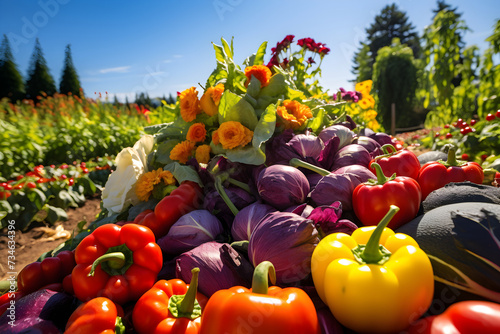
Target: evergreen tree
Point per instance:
(69, 79)
(363, 64)
(11, 81)
(389, 24)
(171, 99)
(39, 78)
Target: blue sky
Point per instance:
(161, 47)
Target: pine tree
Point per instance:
(363, 64)
(11, 81)
(69, 79)
(39, 78)
(389, 24)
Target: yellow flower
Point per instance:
(233, 134)
(367, 101)
(190, 106)
(261, 72)
(182, 151)
(147, 181)
(294, 114)
(196, 133)
(202, 154)
(209, 102)
(370, 114)
(364, 87)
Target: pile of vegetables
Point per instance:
(300, 221)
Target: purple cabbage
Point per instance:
(247, 219)
(307, 146)
(277, 150)
(352, 154)
(221, 267)
(361, 172)
(382, 138)
(345, 135)
(190, 231)
(335, 187)
(371, 145)
(287, 240)
(282, 186)
(214, 203)
(326, 158)
(43, 311)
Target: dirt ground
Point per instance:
(41, 238)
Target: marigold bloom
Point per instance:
(196, 133)
(147, 181)
(294, 114)
(364, 87)
(215, 137)
(261, 72)
(233, 134)
(182, 151)
(209, 102)
(190, 105)
(202, 154)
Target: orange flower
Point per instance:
(182, 151)
(202, 154)
(145, 184)
(261, 72)
(294, 114)
(209, 102)
(190, 106)
(233, 134)
(215, 137)
(364, 87)
(367, 101)
(196, 133)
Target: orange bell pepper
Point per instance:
(170, 307)
(260, 310)
(99, 315)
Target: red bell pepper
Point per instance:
(403, 162)
(371, 200)
(463, 317)
(170, 307)
(185, 198)
(98, 316)
(436, 174)
(260, 310)
(51, 270)
(117, 262)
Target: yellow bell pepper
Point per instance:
(375, 280)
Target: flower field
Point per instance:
(257, 203)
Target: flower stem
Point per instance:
(240, 184)
(223, 194)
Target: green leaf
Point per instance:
(247, 155)
(265, 128)
(219, 53)
(233, 108)
(276, 86)
(227, 49)
(259, 56)
(88, 185)
(37, 197)
(183, 173)
(152, 129)
(253, 88)
(317, 122)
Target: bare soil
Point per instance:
(40, 238)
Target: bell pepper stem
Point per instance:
(294, 162)
(220, 189)
(116, 260)
(186, 306)
(381, 178)
(451, 160)
(388, 149)
(260, 283)
(372, 253)
(187, 303)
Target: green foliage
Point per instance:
(69, 79)
(395, 81)
(11, 81)
(39, 78)
(389, 24)
(489, 85)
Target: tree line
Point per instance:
(39, 79)
(433, 77)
